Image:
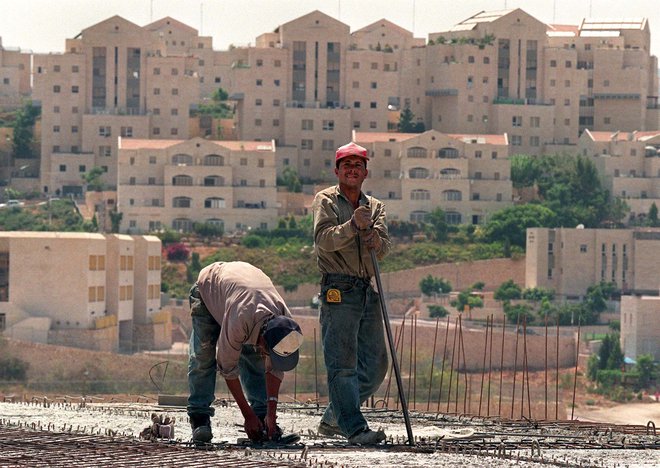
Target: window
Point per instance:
(493, 155)
(374, 66)
(260, 62)
(567, 102)
(477, 154)
(74, 129)
(452, 195)
(420, 194)
(105, 151)
(257, 102)
(356, 85)
(62, 167)
(276, 103)
(583, 248)
(181, 202)
(535, 122)
(568, 64)
(356, 65)
(373, 125)
(374, 85)
(567, 83)
(607, 120)
(471, 59)
(306, 144)
(553, 63)
(56, 129)
(534, 141)
(277, 63)
(373, 105)
(152, 160)
(260, 82)
(516, 121)
(175, 91)
(156, 71)
(75, 89)
(257, 122)
(175, 71)
(276, 122)
(516, 140)
(126, 132)
(328, 125)
(356, 104)
(328, 145)
(452, 217)
(553, 83)
(174, 111)
(156, 91)
(105, 131)
(182, 180)
(307, 124)
(56, 88)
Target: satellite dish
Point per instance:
(579, 226)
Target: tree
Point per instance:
(438, 227)
(219, 95)
(93, 179)
(407, 122)
(525, 170)
(430, 285)
(507, 291)
(23, 137)
(466, 301)
(512, 223)
(652, 217)
(646, 369)
(290, 180)
(115, 220)
(437, 311)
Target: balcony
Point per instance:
(441, 92)
(520, 102)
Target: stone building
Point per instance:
(84, 290)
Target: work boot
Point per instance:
(329, 430)
(201, 428)
(367, 437)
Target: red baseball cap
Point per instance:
(351, 149)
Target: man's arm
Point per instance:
(272, 390)
(253, 427)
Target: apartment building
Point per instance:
(640, 327)
(309, 83)
(468, 176)
(14, 76)
(115, 79)
(629, 165)
(88, 290)
(174, 184)
(569, 260)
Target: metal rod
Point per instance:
(451, 365)
(389, 379)
(499, 409)
(390, 339)
(435, 341)
(400, 349)
(557, 375)
(410, 356)
(316, 372)
(515, 366)
(577, 359)
(526, 375)
(546, 366)
(465, 373)
(483, 366)
(415, 366)
(490, 364)
(444, 358)
(458, 360)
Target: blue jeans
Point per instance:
(353, 348)
(202, 365)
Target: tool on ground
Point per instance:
(390, 340)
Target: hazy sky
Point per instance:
(43, 25)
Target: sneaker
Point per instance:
(201, 428)
(367, 437)
(329, 430)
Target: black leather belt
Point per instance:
(340, 277)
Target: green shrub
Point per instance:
(12, 368)
(253, 242)
(437, 311)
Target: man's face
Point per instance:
(352, 171)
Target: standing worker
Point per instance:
(236, 308)
(347, 223)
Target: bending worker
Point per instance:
(346, 224)
(236, 309)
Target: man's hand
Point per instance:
(372, 240)
(362, 217)
(254, 428)
(271, 426)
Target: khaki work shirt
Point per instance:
(240, 297)
(337, 246)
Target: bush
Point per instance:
(208, 229)
(177, 252)
(253, 242)
(437, 311)
(13, 369)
